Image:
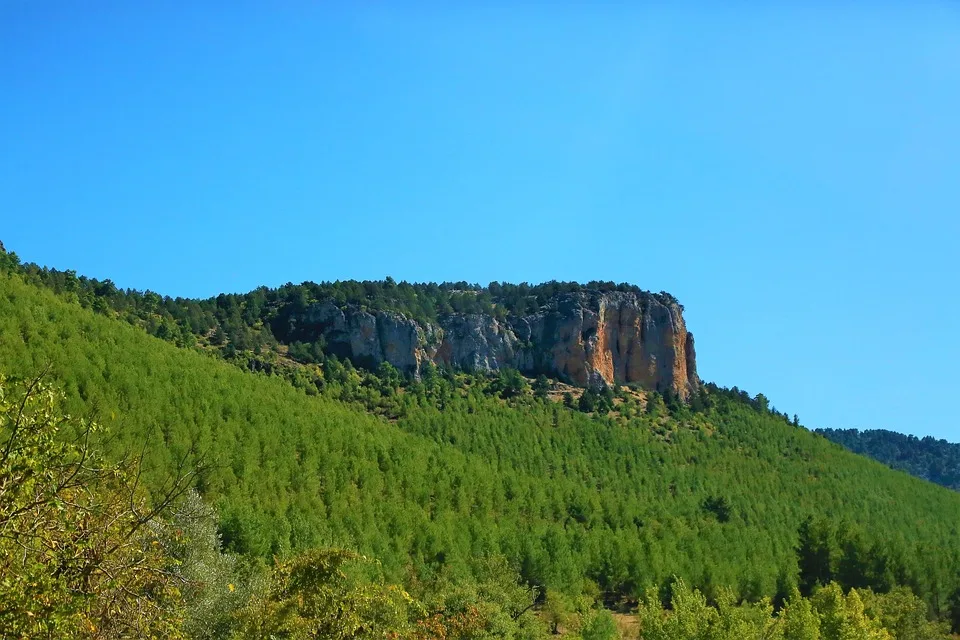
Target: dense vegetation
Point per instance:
(928, 458)
(444, 479)
(84, 556)
(75, 552)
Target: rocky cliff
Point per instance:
(585, 338)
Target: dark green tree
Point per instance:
(815, 555)
(541, 387)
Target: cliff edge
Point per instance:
(586, 338)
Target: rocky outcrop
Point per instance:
(585, 338)
(475, 342)
(616, 337)
(369, 338)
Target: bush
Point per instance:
(78, 557)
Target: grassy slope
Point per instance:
(555, 489)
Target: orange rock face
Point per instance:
(587, 339)
(620, 338)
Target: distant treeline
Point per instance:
(928, 458)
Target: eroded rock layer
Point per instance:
(585, 338)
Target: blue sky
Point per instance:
(791, 173)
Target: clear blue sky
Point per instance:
(792, 174)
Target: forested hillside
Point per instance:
(610, 494)
(928, 458)
(461, 469)
(85, 555)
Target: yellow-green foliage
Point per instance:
(77, 557)
(828, 615)
(903, 615)
(494, 605)
(312, 596)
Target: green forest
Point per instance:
(241, 494)
(928, 458)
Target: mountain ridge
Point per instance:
(594, 335)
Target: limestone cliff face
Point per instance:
(585, 338)
(616, 338)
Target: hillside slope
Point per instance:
(928, 458)
(626, 500)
